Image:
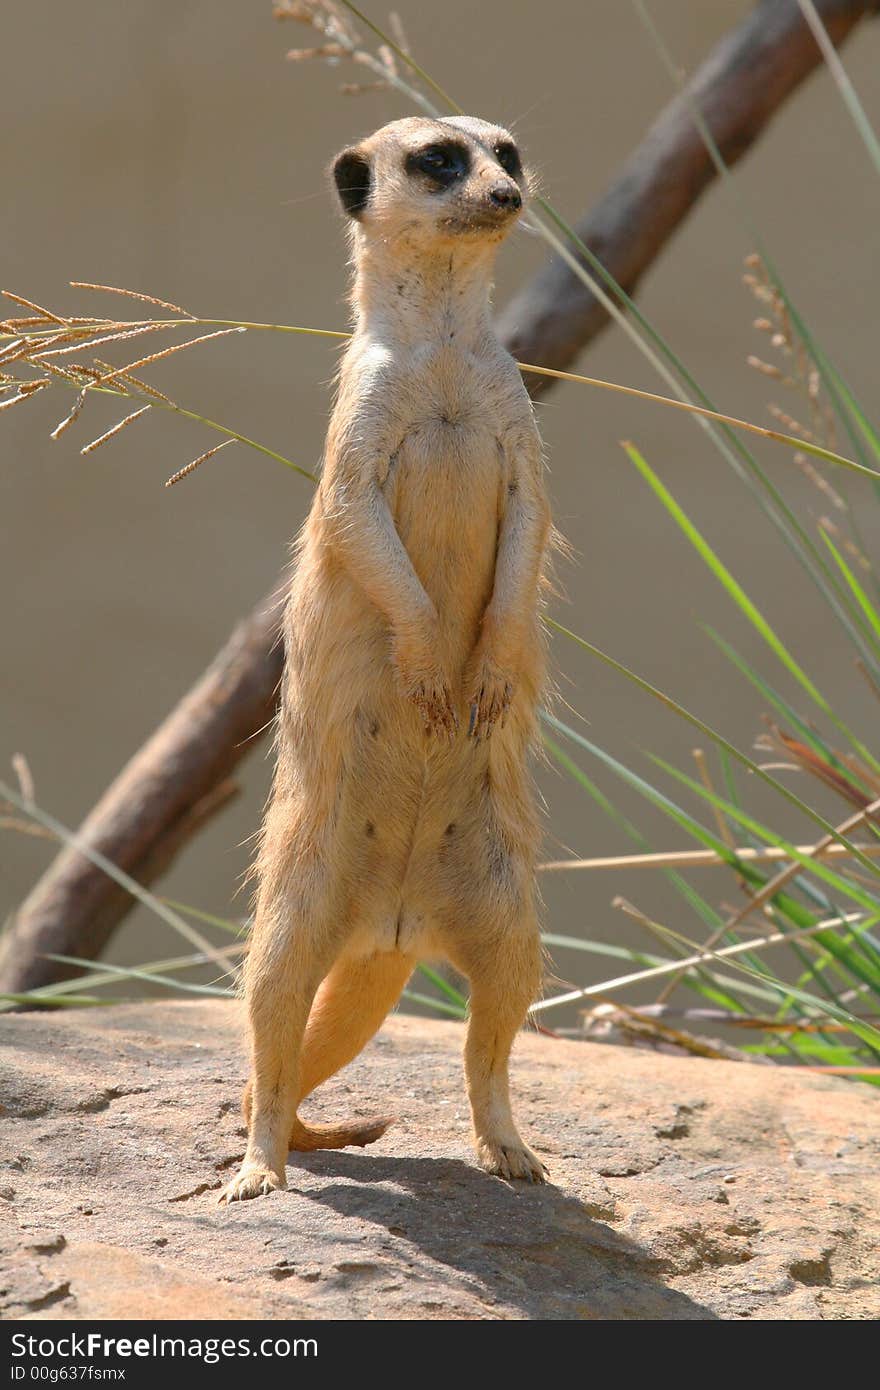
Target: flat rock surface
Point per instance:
(680, 1189)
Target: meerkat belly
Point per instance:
(444, 493)
(399, 812)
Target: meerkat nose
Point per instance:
(507, 196)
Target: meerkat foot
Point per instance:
(305, 1137)
(510, 1161)
(251, 1182)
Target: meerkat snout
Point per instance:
(458, 177)
(506, 197)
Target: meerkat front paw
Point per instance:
(491, 691)
(251, 1182)
(426, 685)
(433, 699)
(510, 1161)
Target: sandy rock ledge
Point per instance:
(680, 1189)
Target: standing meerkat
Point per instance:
(402, 824)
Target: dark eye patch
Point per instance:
(443, 163)
(508, 157)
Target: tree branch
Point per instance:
(738, 89)
(176, 782)
(180, 776)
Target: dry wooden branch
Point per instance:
(168, 790)
(177, 781)
(737, 90)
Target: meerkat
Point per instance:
(402, 824)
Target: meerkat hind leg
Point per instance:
(504, 982)
(280, 986)
(349, 1007)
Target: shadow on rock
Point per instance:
(534, 1248)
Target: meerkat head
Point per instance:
(435, 180)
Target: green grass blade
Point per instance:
(130, 972)
(36, 998)
(740, 459)
(870, 435)
(99, 977)
(848, 93)
(439, 1005)
(824, 1008)
(227, 924)
(868, 972)
(733, 588)
(799, 916)
(791, 909)
(602, 948)
(734, 192)
(716, 738)
(703, 909)
(856, 589)
(768, 836)
(736, 592)
(810, 736)
(454, 995)
(710, 918)
(137, 890)
(651, 793)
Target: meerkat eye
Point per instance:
(442, 164)
(508, 157)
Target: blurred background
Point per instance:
(168, 147)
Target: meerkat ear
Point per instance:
(351, 174)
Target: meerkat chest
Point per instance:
(452, 427)
(446, 481)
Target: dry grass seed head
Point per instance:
(85, 343)
(27, 391)
(14, 350)
(789, 423)
(811, 472)
(71, 416)
(765, 368)
(324, 50)
(196, 463)
(45, 314)
(116, 429)
(166, 352)
(322, 15)
(125, 379)
(133, 294)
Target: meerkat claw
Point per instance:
(253, 1182)
(511, 1161)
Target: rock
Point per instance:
(680, 1188)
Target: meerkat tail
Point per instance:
(349, 1007)
(356, 1134)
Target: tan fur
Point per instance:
(402, 822)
